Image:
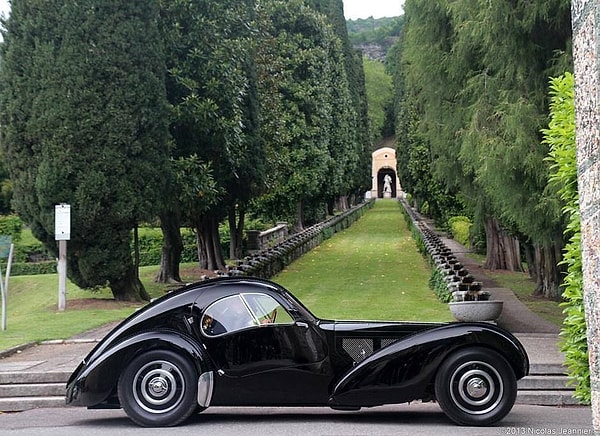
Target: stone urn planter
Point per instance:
(473, 305)
(471, 311)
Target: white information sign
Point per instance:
(62, 222)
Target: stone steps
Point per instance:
(545, 386)
(30, 390)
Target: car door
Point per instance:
(263, 356)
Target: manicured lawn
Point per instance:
(370, 271)
(33, 315)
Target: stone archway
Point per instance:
(384, 164)
(381, 175)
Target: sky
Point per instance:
(353, 9)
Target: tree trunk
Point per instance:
(330, 209)
(299, 226)
(136, 251)
(529, 251)
(129, 287)
(171, 249)
(342, 203)
(216, 260)
(236, 229)
(549, 273)
(201, 247)
(502, 249)
(209, 244)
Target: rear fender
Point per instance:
(96, 381)
(403, 371)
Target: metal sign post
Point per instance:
(4, 297)
(6, 251)
(62, 233)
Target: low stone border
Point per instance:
(456, 282)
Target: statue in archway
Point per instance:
(387, 184)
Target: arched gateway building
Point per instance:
(386, 183)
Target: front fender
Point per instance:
(94, 382)
(404, 370)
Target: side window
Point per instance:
(242, 311)
(267, 310)
(227, 315)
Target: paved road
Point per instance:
(416, 419)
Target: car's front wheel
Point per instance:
(475, 386)
(158, 389)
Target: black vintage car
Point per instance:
(249, 342)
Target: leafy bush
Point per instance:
(560, 136)
(27, 250)
(150, 243)
(33, 268)
(437, 283)
(11, 225)
(460, 227)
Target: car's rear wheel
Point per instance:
(475, 386)
(158, 389)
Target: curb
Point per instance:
(17, 349)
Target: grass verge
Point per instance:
(33, 315)
(523, 287)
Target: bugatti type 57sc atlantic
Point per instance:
(250, 342)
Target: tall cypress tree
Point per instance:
(89, 130)
(476, 73)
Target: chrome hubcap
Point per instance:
(158, 387)
(476, 387)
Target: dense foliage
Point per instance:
(213, 124)
(471, 98)
(314, 148)
(83, 122)
(131, 111)
(470, 110)
(380, 97)
(560, 136)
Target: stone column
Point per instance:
(586, 51)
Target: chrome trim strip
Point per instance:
(205, 388)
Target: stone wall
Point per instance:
(586, 53)
(258, 240)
